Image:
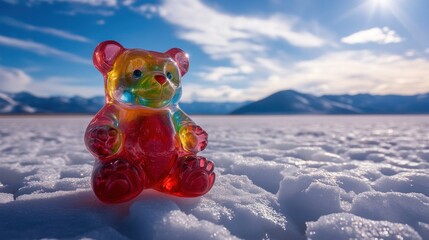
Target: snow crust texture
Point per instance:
(331, 177)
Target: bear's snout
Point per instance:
(160, 78)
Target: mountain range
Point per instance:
(282, 102)
(293, 102)
(27, 103)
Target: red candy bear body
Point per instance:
(141, 138)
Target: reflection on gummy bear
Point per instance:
(141, 138)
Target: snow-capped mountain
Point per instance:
(26, 103)
(385, 104)
(283, 102)
(293, 102)
(9, 105)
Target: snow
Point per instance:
(7, 102)
(349, 226)
(295, 177)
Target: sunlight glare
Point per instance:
(369, 8)
(381, 3)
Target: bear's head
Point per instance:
(138, 77)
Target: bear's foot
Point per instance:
(117, 181)
(192, 177)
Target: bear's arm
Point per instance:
(102, 137)
(181, 119)
(192, 137)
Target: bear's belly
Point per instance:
(151, 141)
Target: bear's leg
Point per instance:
(117, 181)
(193, 176)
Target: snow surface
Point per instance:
(296, 177)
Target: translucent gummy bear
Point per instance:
(141, 139)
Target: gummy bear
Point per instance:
(141, 139)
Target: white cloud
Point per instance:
(107, 3)
(13, 79)
(225, 73)
(46, 30)
(341, 72)
(105, 13)
(427, 50)
(222, 93)
(359, 72)
(211, 28)
(41, 49)
(100, 22)
(63, 85)
(238, 39)
(377, 35)
(128, 2)
(147, 10)
(410, 53)
(17, 80)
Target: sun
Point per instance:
(367, 9)
(372, 7)
(381, 3)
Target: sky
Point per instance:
(239, 50)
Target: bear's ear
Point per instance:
(105, 54)
(181, 59)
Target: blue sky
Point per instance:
(239, 50)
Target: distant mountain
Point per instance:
(385, 104)
(283, 102)
(27, 103)
(293, 102)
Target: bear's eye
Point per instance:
(169, 75)
(137, 73)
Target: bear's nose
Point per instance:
(161, 79)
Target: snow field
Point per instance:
(296, 177)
